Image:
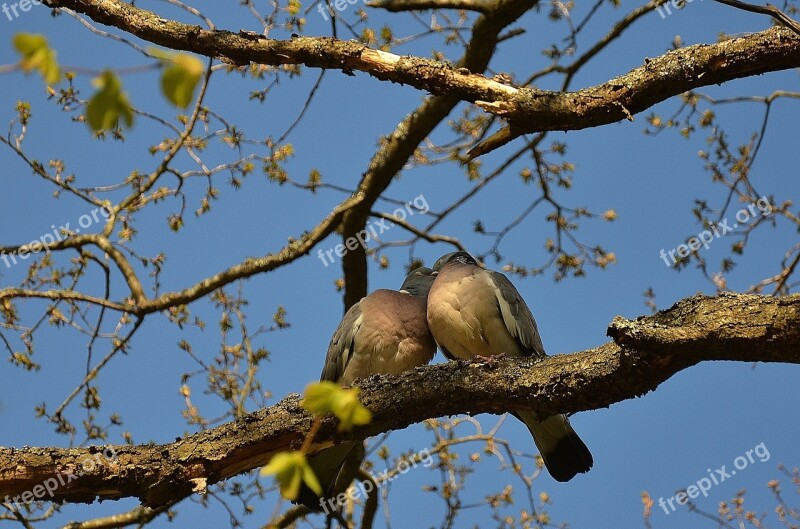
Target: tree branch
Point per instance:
(647, 352)
(421, 234)
(769, 9)
(659, 79)
(55, 295)
(527, 110)
(138, 515)
(296, 249)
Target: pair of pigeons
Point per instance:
(467, 311)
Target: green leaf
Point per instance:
(37, 55)
(179, 79)
(108, 104)
(328, 397)
(319, 397)
(290, 470)
(351, 412)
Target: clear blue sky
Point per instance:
(702, 418)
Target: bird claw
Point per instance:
(489, 360)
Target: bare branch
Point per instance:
(769, 9)
(289, 253)
(421, 234)
(9, 293)
(138, 515)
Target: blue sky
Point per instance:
(700, 419)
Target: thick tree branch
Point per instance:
(659, 79)
(244, 48)
(527, 110)
(647, 352)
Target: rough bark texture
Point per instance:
(645, 352)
